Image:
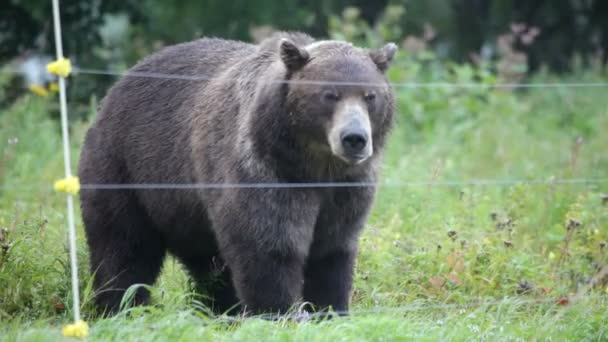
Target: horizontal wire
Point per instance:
(332, 184)
(269, 185)
(86, 71)
(11, 71)
(402, 84)
(138, 74)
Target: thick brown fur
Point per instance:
(238, 123)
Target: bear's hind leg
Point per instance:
(214, 281)
(223, 293)
(125, 248)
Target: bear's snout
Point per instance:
(354, 139)
(350, 134)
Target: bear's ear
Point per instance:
(383, 57)
(293, 56)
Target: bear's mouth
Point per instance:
(353, 159)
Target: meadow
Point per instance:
(490, 223)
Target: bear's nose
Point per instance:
(354, 141)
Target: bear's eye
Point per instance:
(369, 97)
(330, 96)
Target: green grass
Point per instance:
(442, 262)
(510, 321)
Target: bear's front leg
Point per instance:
(264, 235)
(328, 280)
(331, 261)
(267, 281)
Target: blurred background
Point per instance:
(519, 36)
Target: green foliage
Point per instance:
(114, 34)
(34, 273)
(352, 27)
(569, 28)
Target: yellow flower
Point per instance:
(39, 90)
(79, 329)
(61, 67)
(53, 87)
(71, 185)
(552, 256)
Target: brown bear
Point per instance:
(213, 150)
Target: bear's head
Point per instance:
(337, 97)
